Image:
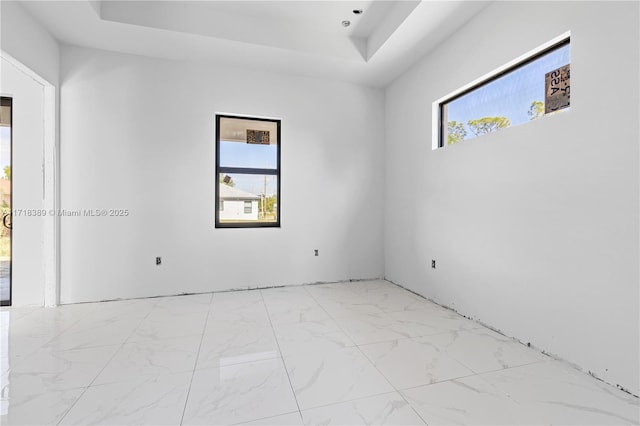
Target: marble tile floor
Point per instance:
(364, 352)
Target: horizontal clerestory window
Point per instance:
(537, 86)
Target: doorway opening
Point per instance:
(6, 140)
(29, 258)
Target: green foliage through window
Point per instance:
(513, 97)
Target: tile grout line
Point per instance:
(475, 374)
(511, 367)
(195, 364)
(46, 342)
(373, 364)
(454, 358)
(332, 318)
(73, 405)
(391, 384)
(404, 398)
(284, 363)
(328, 314)
(484, 326)
(398, 391)
(79, 320)
(265, 418)
(388, 313)
(452, 379)
(357, 399)
(66, 413)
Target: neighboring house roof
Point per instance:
(230, 193)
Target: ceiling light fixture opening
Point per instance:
(357, 11)
(346, 23)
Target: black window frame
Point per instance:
(247, 170)
(514, 67)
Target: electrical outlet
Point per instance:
(433, 264)
(315, 252)
(158, 260)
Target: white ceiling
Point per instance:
(304, 37)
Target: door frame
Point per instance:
(10, 104)
(50, 182)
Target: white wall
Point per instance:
(25, 39)
(134, 129)
(28, 199)
(535, 228)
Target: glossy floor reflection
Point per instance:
(348, 353)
